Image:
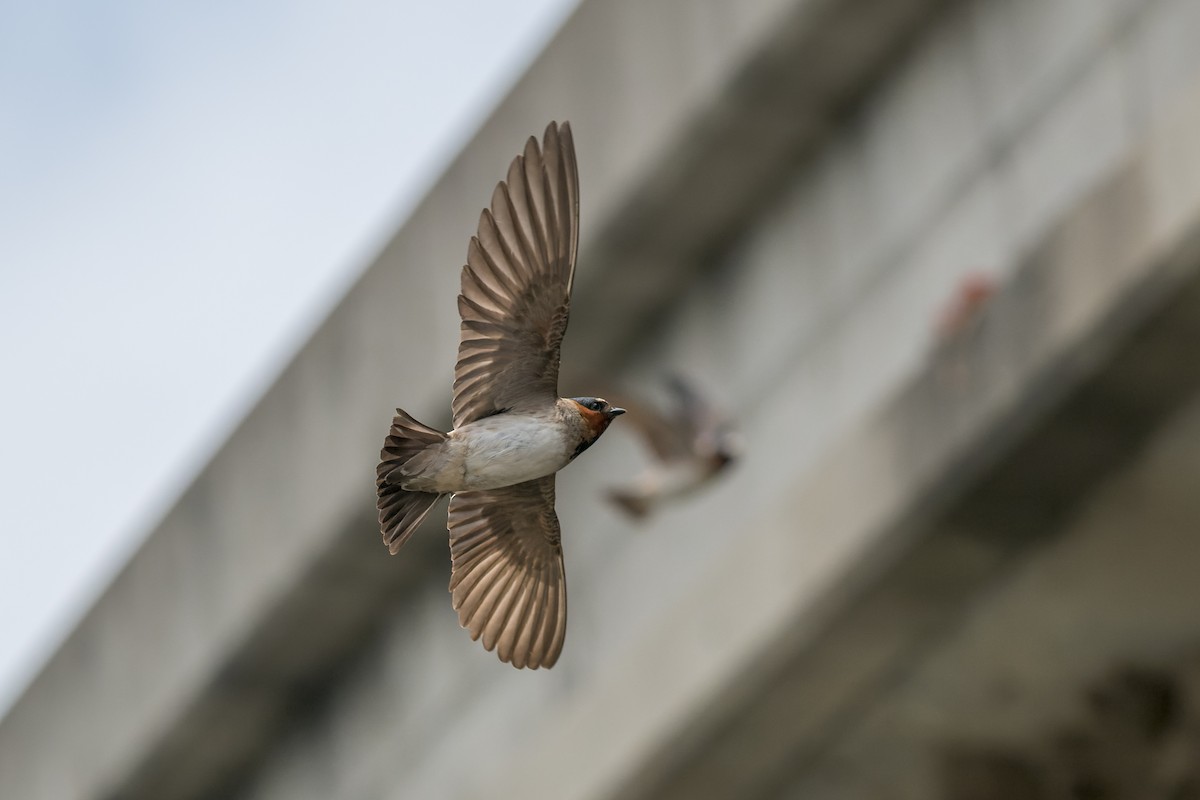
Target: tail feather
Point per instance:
(401, 511)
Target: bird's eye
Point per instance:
(596, 405)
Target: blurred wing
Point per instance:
(671, 435)
(507, 581)
(516, 285)
(691, 406)
(666, 437)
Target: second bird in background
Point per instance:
(692, 443)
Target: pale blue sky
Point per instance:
(185, 189)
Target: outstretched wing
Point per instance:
(516, 285)
(663, 435)
(507, 580)
(671, 434)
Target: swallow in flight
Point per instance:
(692, 444)
(512, 432)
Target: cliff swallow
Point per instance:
(512, 432)
(959, 325)
(692, 444)
(962, 314)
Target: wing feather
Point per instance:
(516, 284)
(507, 581)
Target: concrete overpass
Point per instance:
(935, 544)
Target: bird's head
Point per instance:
(597, 414)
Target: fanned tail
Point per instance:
(400, 511)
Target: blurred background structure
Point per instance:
(942, 261)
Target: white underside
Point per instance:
(513, 450)
(671, 481)
(497, 451)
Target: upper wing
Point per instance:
(507, 580)
(666, 437)
(516, 285)
(671, 434)
(691, 406)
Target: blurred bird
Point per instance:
(512, 432)
(965, 308)
(959, 325)
(692, 444)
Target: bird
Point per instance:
(964, 311)
(692, 444)
(511, 431)
(958, 326)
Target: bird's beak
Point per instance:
(615, 412)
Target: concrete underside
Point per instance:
(933, 543)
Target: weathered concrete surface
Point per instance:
(1113, 587)
(262, 646)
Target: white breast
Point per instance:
(510, 448)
